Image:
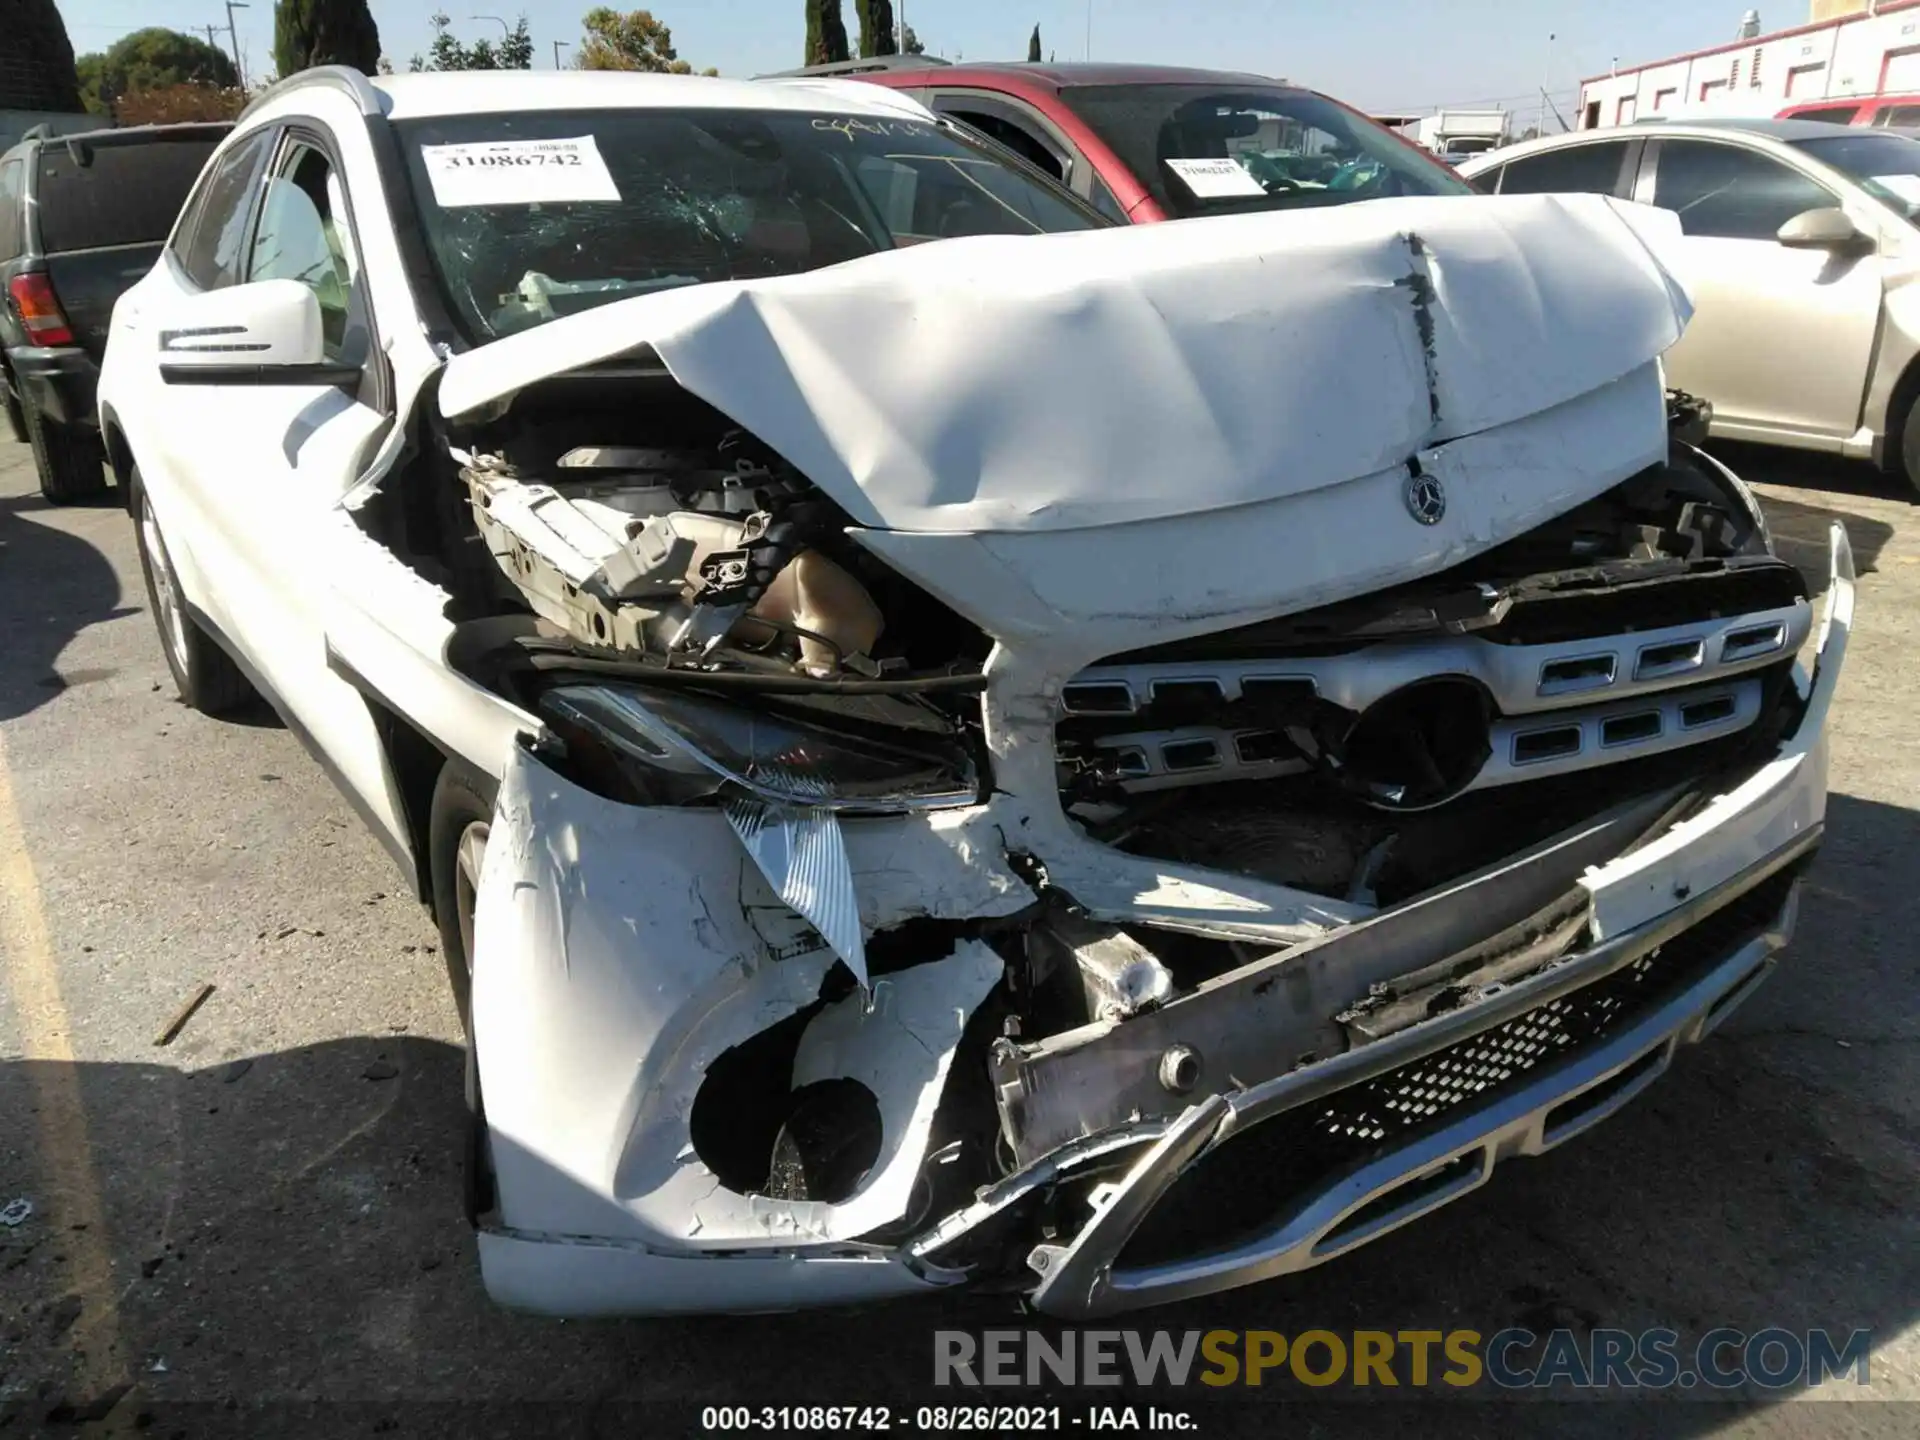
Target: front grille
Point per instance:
(1234, 1191)
(1602, 600)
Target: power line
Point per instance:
(1496, 102)
(1532, 94)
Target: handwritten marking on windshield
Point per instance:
(849, 126)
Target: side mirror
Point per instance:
(266, 333)
(1827, 228)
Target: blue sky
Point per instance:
(1380, 54)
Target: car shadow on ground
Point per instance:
(1800, 529)
(274, 1243)
(1812, 470)
(53, 585)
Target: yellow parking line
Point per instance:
(70, 1196)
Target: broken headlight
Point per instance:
(1749, 502)
(656, 747)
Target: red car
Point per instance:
(1877, 110)
(1154, 142)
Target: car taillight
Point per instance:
(39, 308)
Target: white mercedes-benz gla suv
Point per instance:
(949, 741)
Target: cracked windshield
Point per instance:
(532, 217)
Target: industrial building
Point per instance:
(1847, 48)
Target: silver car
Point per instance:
(1798, 248)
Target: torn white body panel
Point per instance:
(387, 634)
(565, 1275)
(1064, 599)
(1783, 799)
(1064, 381)
(623, 950)
(588, 907)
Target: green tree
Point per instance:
(514, 52)
(1033, 47)
(151, 59)
(876, 28)
(826, 33)
(324, 32)
(631, 41)
(910, 42)
(36, 58)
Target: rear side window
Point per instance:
(1897, 115)
(1593, 169)
(126, 194)
(1106, 202)
(13, 182)
(210, 246)
(926, 202)
(1015, 138)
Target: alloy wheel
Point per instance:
(166, 589)
(468, 859)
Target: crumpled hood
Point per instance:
(1068, 381)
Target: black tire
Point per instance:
(203, 673)
(1908, 467)
(462, 811)
(70, 460)
(463, 804)
(9, 402)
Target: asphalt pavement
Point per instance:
(256, 1228)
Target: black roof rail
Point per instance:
(857, 67)
(335, 77)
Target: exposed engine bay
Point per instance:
(697, 627)
(900, 879)
(1337, 750)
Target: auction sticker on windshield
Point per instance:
(518, 172)
(1215, 179)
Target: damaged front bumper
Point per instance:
(632, 954)
(1434, 1073)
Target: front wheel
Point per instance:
(1908, 468)
(458, 825)
(457, 831)
(203, 673)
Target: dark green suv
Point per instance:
(82, 217)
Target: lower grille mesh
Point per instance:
(1236, 1190)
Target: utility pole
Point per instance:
(211, 30)
(1546, 76)
(1089, 29)
(558, 46)
(233, 37)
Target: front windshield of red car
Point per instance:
(1210, 150)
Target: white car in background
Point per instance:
(949, 742)
(1799, 247)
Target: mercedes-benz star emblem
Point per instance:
(1426, 498)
